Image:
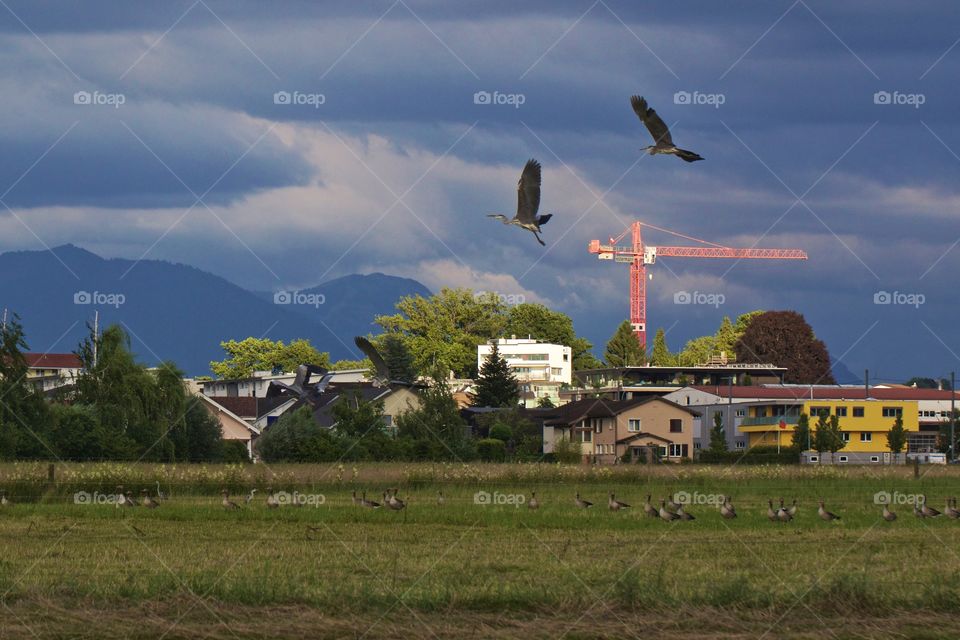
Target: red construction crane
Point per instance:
(640, 255)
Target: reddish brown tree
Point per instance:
(784, 338)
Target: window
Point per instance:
(741, 413)
(874, 458)
(586, 436)
(841, 412)
(845, 436)
(843, 459)
(816, 411)
(867, 437)
(663, 451)
(678, 450)
(858, 412)
(633, 425)
(814, 458)
(566, 357)
(741, 444)
(676, 425)
(696, 445)
(892, 412)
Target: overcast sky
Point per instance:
(827, 126)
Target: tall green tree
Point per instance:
(800, 441)
(436, 429)
(896, 438)
(445, 329)
(821, 437)
(541, 323)
(262, 354)
(661, 356)
(623, 349)
(496, 385)
(24, 416)
(726, 337)
(398, 357)
(785, 339)
(836, 437)
(718, 437)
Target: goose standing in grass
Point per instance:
(666, 516)
(783, 515)
(771, 514)
(250, 496)
(649, 509)
(673, 506)
(440, 499)
(356, 501)
(683, 514)
(792, 509)
(227, 502)
(917, 511)
(951, 509)
(727, 510)
(928, 512)
(369, 504)
(395, 503)
(888, 515)
(130, 501)
(272, 502)
(147, 501)
(616, 505)
(3, 499)
(826, 515)
(533, 503)
(581, 503)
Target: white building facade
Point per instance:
(541, 368)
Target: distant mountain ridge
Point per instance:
(180, 313)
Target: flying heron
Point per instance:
(528, 202)
(662, 141)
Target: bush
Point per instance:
(235, 451)
(756, 455)
(500, 431)
(492, 450)
(566, 451)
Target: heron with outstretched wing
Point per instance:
(528, 202)
(662, 140)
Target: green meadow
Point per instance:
(480, 565)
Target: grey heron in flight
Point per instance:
(528, 202)
(662, 140)
(379, 364)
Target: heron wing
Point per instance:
(528, 192)
(651, 121)
(383, 371)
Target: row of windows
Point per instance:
(635, 425)
(844, 458)
(934, 414)
(841, 412)
(865, 436)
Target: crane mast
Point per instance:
(639, 256)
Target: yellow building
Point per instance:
(863, 423)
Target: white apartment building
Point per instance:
(540, 367)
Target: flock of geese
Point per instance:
(668, 511)
(528, 189)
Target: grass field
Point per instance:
(191, 568)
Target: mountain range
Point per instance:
(180, 313)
